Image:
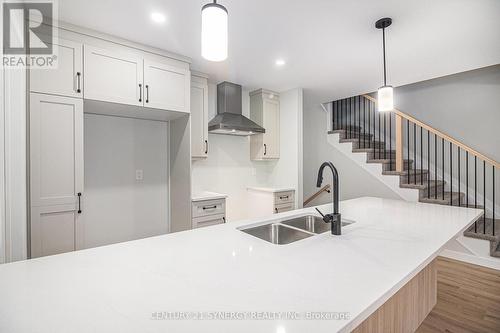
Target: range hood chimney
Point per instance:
(229, 119)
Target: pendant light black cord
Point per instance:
(383, 47)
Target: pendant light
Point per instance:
(214, 32)
(385, 94)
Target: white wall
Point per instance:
(228, 168)
(354, 180)
(116, 206)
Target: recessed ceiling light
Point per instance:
(158, 17)
(280, 62)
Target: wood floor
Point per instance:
(468, 299)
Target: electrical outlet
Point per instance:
(139, 174)
(254, 172)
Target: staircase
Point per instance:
(442, 170)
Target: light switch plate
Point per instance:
(139, 174)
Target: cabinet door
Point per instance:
(271, 122)
(56, 171)
(67, 78)
(199, 120)
(53, 230)
(166, 87)
(112, 76)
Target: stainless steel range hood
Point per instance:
(229, 119)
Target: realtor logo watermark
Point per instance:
(28, 34)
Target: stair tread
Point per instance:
(447, 198)
(386, 160)
(405, 173)
(478, 230)
(424, 185)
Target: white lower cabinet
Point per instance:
(56, 173)
(268, 201)
(208, 212)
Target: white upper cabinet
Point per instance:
(265, 111)
(66, 79)
(199, 117)
(166, 87)
(113, 76)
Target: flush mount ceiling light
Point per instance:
(158, 17)
(385, 94)
(214, 32)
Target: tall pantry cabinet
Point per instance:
(56, 153)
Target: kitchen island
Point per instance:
(220, 279)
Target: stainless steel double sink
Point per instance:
(291, 230)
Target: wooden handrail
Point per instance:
(434, 131)
(325, 188)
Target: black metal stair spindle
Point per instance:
(484, 197)
(364, 122)
(379, 135)
(428, 165)
(421, 154)
(414, 153)
(351, 117)
(435, 166)
(372, 107)
(442, 164)
(475, 189)
(385, 137)
(407, 149)
(359, 121)
(467, 179)
(369, 122)
(390, 140)
(451, 174)
(336, 115)
(354, 115)
(458, 164)
(494, 203)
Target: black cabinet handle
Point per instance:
(209, 207)
(223, 220)
(147, 93)
(206, 146)
(79, 203)
(140, 92)
(265, 149)
(78, 84)
(276, 209)
(284, 197)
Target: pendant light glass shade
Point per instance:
(385, 98)
(214, 32)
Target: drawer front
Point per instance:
(284, 208)
(209, 207)
(205, 221)
(284, 197)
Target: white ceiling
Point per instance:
(331, 47)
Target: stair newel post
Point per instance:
(399, 143)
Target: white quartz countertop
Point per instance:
(270, 189)
(129, 287)
(206, 195)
